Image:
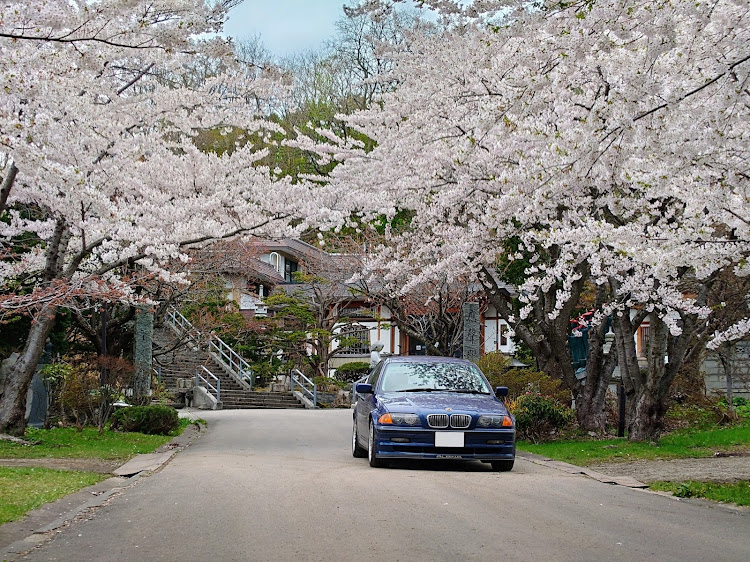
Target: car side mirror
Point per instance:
(364, 388)
(501, 391)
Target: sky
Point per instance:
(285, 26)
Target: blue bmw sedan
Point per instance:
(431, 408)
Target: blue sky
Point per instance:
(285, 26)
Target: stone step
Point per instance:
(261, 407)
(259, 402)
(237, 395)
(260, 394)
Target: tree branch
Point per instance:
(8, 181)
(695, 91)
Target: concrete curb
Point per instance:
(134, 468)
(626, 481)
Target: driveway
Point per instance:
(282, 485)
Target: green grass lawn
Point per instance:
(736, 492)
(69, 443)
(680, 444)
(24, 489)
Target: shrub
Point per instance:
(680, 416)
(741, 406)
(519, 381)
(538, 416)
(743, 410)
(327, 384)
(353, 371)
(151, 420)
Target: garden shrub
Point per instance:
(538, 416)
(680, 416)
(327, 384)
(353, 371)
(519, 381)
(741, 406)
(151, 420)
(711, 411)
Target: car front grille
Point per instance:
(437, 420)
(460, 421)
(440, 421)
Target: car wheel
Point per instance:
(503, 466)
(357, 451)
(372, 454)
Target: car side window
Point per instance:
(375, 375)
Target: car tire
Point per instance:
(503, 466)
(372, 454)
(358, 451)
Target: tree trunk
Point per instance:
(591, 397)
(7, 185)
(648, 392)
(725, 354)
(15, 385)
(548, 341)
(647, 416)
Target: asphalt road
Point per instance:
(282, 485)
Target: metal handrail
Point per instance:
(224, 354)
(183, 325)
(156, 371)
(199, 372)
(231, 359)
(302, 381)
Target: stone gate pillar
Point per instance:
(471, 345)
(144, 336)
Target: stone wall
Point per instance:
(715, 378)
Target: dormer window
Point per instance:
(275, 261)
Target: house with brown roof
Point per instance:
(273, 266)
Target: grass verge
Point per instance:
(736, 492)
(24, 489)
(692, 443)
(68, 443)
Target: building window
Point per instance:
(275, 261)
(644, 332)
(290, 267)
(359, 342)
(503, 335)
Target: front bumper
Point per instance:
(419, 443)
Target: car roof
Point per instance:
(426, 359)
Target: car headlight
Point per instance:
(495, 421)
(399, 419)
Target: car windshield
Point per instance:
(426, 377)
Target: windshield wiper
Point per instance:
(467, 391)
(419, 390)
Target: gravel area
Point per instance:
(711, 469)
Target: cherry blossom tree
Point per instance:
(608, 137)
(101, 176)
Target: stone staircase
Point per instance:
(243, 399)
(180, 363)
(183, 362)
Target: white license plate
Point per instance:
(449, 439)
